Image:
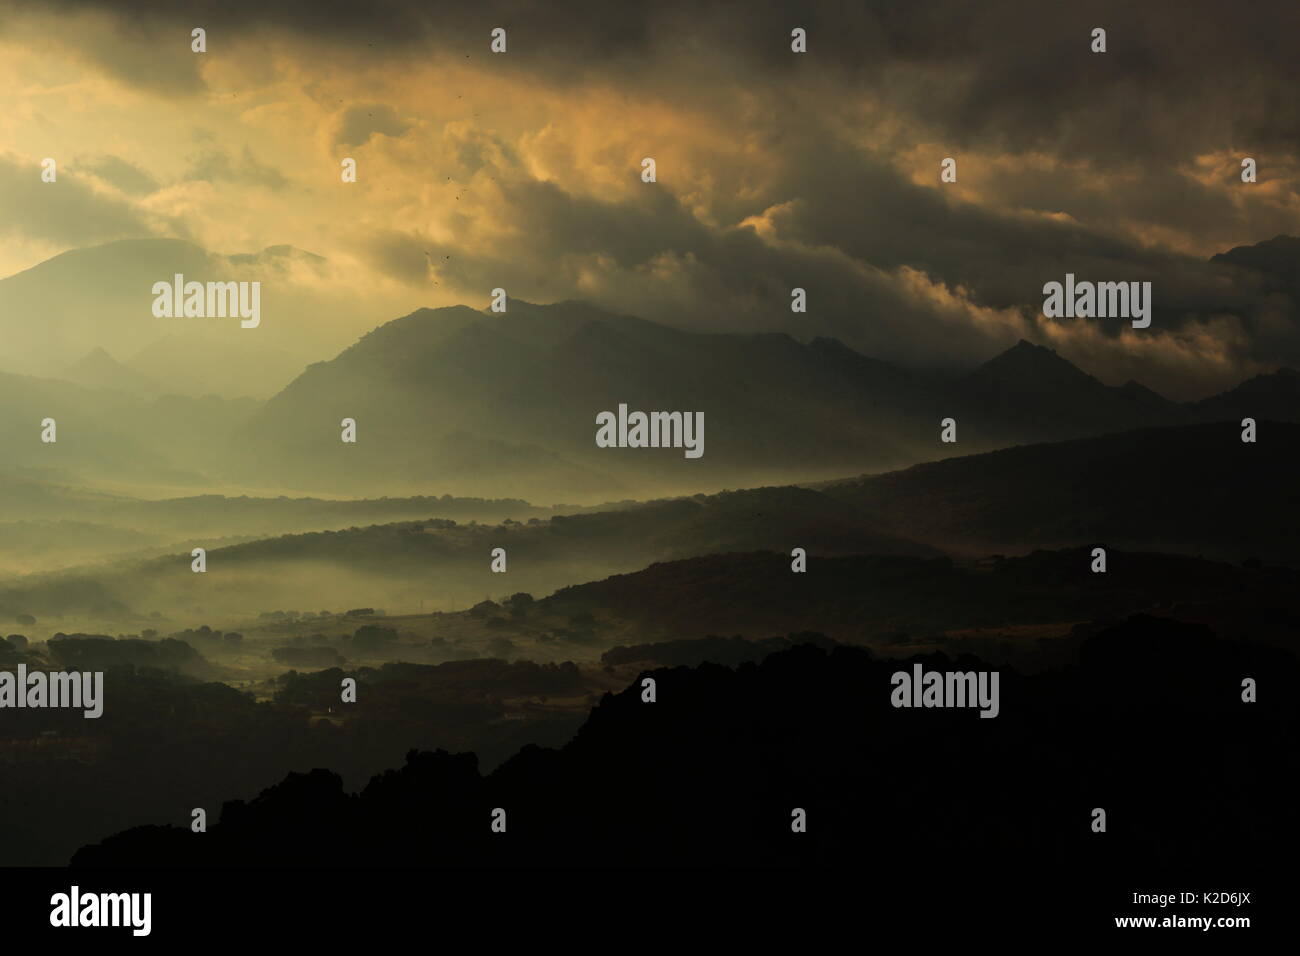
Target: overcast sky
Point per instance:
(775, 169)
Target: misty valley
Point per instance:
(459, 604)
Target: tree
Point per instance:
(519, 604)
(483, 608)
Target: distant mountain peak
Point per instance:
(278, 257)
(1281, 242)
(1030, 364)
(98, 369)
(1278, 257)
(1047, 392)
(1136, 388)
(1026, 348)
(1281, 379)
(97, 358)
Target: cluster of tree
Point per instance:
(203, 637)
(98, 652)
(13, 651)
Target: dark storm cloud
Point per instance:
(845, 238)
(359, 123)
(215, 164)
(729, 279)
(65, 211)
(862, 205)
(126, 176)
(399, 255)
(1172, 198)
(1177, 78)
(1017, 75)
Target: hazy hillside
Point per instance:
(106, 435)
(507, 403)
(1131, 491)
(48, 525)
(504, 402)
(98, 369)
(446, 564)
(100, 297)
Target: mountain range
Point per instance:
(508, 403)
(458, 401)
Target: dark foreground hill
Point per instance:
(889, 599)
(1195, 489)
(1150, 727)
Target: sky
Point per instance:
(775, 170)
